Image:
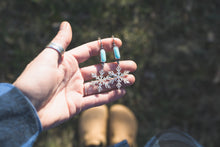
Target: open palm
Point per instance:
(56, 85)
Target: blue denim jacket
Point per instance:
(19, 122)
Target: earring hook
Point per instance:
(113, 40)
(100, 42)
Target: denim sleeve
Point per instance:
(19, 122)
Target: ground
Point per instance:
(174, 43)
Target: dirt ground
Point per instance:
(174, 43)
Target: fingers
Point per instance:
(102, 98)
(63, 38)
(125, 65)
(84, 52)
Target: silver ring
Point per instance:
(56, 47)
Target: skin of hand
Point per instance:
(55, 84)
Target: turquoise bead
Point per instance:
(116, 52)
(103, 55)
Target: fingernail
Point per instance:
(63, 25)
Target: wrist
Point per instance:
(27, 94)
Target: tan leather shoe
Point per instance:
(122, 125)
(93, 126)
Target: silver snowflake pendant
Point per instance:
(113, 77)
(100, 80)
(118, 77)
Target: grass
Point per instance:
(174, 43)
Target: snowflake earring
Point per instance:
(101, 80)
(118, 77)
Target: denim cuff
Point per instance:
(19, 122)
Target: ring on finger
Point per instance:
(56, 47)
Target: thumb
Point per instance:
(63, 39)
(64, 36)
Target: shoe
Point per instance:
(122, 125)
(93, 126)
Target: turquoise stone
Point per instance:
(103, 55)
(116, 52)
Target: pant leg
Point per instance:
(172, 137)
(123, 143)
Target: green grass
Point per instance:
(174, 43)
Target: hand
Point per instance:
(55, 85)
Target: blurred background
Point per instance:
(174, 43)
